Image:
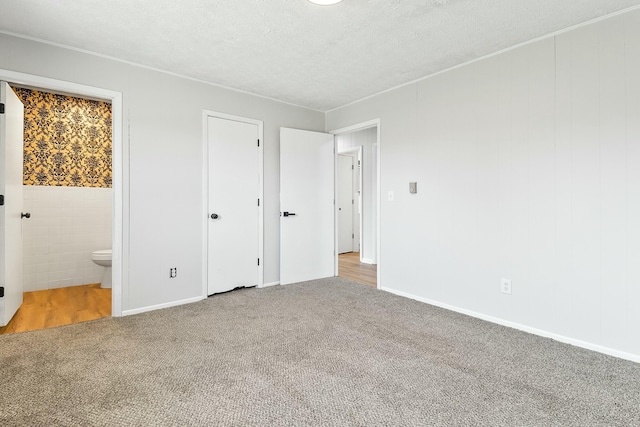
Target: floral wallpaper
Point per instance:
(67, 140)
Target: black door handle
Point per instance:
(214, 216)
(288, 214)
(25, 215)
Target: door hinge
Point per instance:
(258, 143)
(352, 202)
(351, 167)
(258, 261)
(258, 202)
(353, 236)
(1, 291)
(1, 108)
(1, 199)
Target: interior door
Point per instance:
(307, 219)
(233, 231)
(345, 204)
(11, 155)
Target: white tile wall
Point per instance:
(66, 225)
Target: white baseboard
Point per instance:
(266, 285)
(367, 261)
(159, 306)
(567, 340)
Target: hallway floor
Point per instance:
(350, 267)
(61, 306)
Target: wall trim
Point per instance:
(160, 306)
(367, 261)
(535, 331)
(120, 209)
(499, 52)
(147, 67)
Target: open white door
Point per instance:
(307, 217)
(233, 224)
(11, 155)
(345, 204)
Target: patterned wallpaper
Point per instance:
(67, 140)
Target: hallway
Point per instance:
(350, 267)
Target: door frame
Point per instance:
(350, 129)
(120, 203)
(357, 150)
(205, 193)
(338, 185)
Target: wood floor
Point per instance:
(62, 306)
(350, 267)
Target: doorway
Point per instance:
(66, 179)
(118, 239)
(349, 201)
(362, 142)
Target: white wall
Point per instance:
(162, 134)
(528, 168)
(366, 139)
(66, 225)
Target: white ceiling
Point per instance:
(320, 57)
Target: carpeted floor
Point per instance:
(329, 352)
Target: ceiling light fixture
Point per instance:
(325, 2)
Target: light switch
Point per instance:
(390, 196)
(413, 187)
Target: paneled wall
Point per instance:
(528, 168)
(66, 225)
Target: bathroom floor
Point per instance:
(61, 306)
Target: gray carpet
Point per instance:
(328, 352)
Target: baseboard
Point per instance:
(159, 306)
(266, 285)
(567, 340)
(367, 261)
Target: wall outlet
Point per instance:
(505, 286)
(173, 272)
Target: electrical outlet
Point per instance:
(173, 272)
(505, 286)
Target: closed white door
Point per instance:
(307, 221)
(11, 155)
(233, 223)
(345, 204)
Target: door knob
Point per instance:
(25, 215)
(288, 214)
(214, 216)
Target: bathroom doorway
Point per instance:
(83, 212)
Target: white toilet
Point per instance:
(103, 258)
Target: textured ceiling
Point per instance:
(320, 57)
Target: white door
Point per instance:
(11, 155)
(307, 216)
(345, 204)
(233, 223)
